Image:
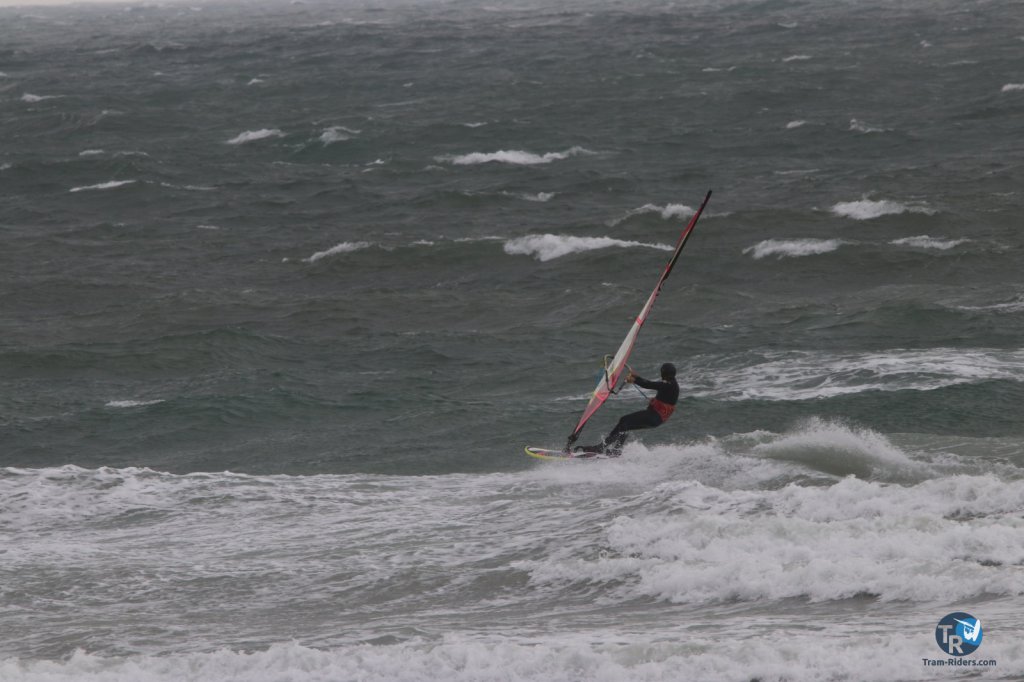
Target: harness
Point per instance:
(664, 410)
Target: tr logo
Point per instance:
(958, 634)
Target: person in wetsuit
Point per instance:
(658, 410)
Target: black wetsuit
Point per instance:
(656, 413)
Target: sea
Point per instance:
(287, 287)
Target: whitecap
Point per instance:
(795, 124)
(343, 247)
(1013, 87)
(30, 98)
(866, 209)
(514, 157)
(337, 134)
(545, 247)
(667, 212)
(253, 135)
(132, 403)
(92, 152)
(1015, 306)
(103, 185)
(862, 127)
(797, 58)
(793, 248)
(926, 242)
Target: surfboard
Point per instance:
(546, 453)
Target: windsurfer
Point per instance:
(658, 410)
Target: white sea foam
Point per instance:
(715, 69)
(256, 81)
(337, 134)
(539, 196)
(809, 375)
(546, 247)
(863, 127)
(518, 158)
(32, 99)
(793, 248)
(1013, 87)
(132, 403)
(926, 242)
(867, 209)
(343, 247)
(795, 124)
(1007, 307)
(92, 152)
(113, 184)
(190, 188)
(797, 58)
(254, 135)
(477, 124)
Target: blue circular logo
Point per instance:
(958, 634)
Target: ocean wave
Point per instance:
(867, 209)
(517, 158)
(795, 124)
(862, 127)
(811, 375)
(840, 450)
(1013, 87)
(668, 211)
(793, 248)
(113, 184)
(545, 247)
(343, 247)
(1014, 306)
(926, 242)
(123, 404)
(32, 99)
(254, 135)
(695, 544)
(796, 58)
(337, 134)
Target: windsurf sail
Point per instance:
(613, 370)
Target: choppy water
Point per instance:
(284, 290)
